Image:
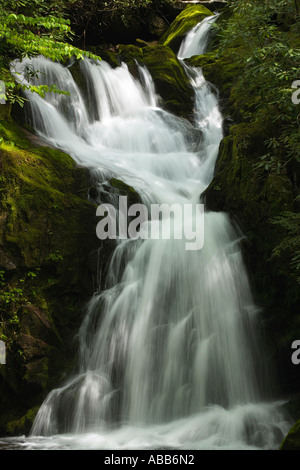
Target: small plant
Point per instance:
(56, 256)
(31, 275)
(13, 295)
(2, 278)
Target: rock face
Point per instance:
(47, 230)
(261, 200)
(292, 440)
(50, 258)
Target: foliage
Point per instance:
(14, 294)
(290, 222)
(56, 256)
(98, 17)
(40, 33)
(262, 36)
(11, 298)
(265, 37)
(43, 27)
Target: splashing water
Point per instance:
(169, 353)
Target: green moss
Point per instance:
(223, 72)
(36, 201)
(23, 425)
(292, 440)
(5, 112)
(43, 218)
(253, 194)
(14, 135)
(130, 53)
(241, 187)
(184, 22)
(106, 54)
(124, 189)
(47, 230)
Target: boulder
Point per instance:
(183, 23)
(47, 230)
(292, 440)
(170, 79)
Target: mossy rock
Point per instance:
(106, 54)
(183, 23)
(17, 427)
(37, 204)
(108, 191)
(123, 189)
(223, 73)
(170, 79)
(129, 53)
(5, 110)
(292, 406)
(254, 197)
(47, 230)
(292, 440)
(240, 187)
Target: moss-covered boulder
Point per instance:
(120, 188)
(262, 200)
(111, 190)
(223, 72)
(241, 185)
(170, 79)
(183, 23)
(292, 440)
(50, 263)
(47, 230)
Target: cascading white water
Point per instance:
(169, 352)
(196, 41)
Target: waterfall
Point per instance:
(169, 352)
(196, 41)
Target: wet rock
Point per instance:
(170, 79)
(183, 23)
(292, 440)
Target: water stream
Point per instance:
(170, 355)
